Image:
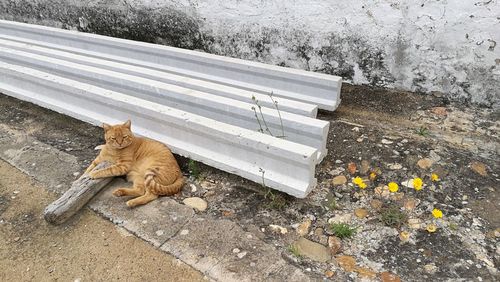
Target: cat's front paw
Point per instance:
(94, 175)
(119, 192)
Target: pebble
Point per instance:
(408, 183)
(193, 188)
(340, 218)
(346, 262)
(365, 167)
(160, 232)
(329, 273)
(361, 213)
(76, 173)
(479, 168)
(395, 166)
(312, 250)
(415, 223)
(389, 277)
(241, 255)
(16, 239)
(425, 163)
(278, 229)
(386, 142)
(339, 180)
(184, 232)
(411, 204)
(365, 272)
(16, 192)
(236, 250)
(337, 171)
(376, 204)
(196, 203)
(335, 244)
(303, 228)
(430, 268)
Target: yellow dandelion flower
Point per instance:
(404, 236)
(434, 177)
(393, 187)
(373, 176)
(357, 180)
(418, 183)
(437, 213)
(431, 228)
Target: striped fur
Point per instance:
(149, 164)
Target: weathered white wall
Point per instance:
(448, 46)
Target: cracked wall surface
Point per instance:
(424, 45)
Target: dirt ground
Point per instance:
(88, 248)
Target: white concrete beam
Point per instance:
(304, 130)
(310, 87)
(69, 55)
(280, 164)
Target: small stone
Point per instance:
(236, 250)
(312, 250)
(361, 213)
(17, 239)
(365, 167)
(386, 142)
(241, 255)
(335, 245)
(278, 229)
(16, 192)
(193, 188)
(184, 232)
(336, 171)
(425, 163)
(479, 168)
(376, 204)
(329, 273)
(346, 262)
(389, 277)
(160, 232)
(410, 204)
(351, 168)
(196, 203)
(415, 223)
(434, 156)
(439, 111)
(303, 228)
(430, 268)
(382, 191)
(395, 166)
(408, 183)
(76, 173)
(339, 180)
(365, 272)
(340, 218)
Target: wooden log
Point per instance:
(81, 191)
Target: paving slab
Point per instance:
(223, 250)
(155, 222)
(54, 168)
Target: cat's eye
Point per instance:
(113, 138)
(126, 136)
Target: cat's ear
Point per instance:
(127, 124)
(106, 127)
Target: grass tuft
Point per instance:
(342, 230)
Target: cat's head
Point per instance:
(118, 136)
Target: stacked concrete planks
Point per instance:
(250, 119)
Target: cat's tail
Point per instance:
(160, 189)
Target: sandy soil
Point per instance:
(88, 248)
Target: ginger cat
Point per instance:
(147, 163)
